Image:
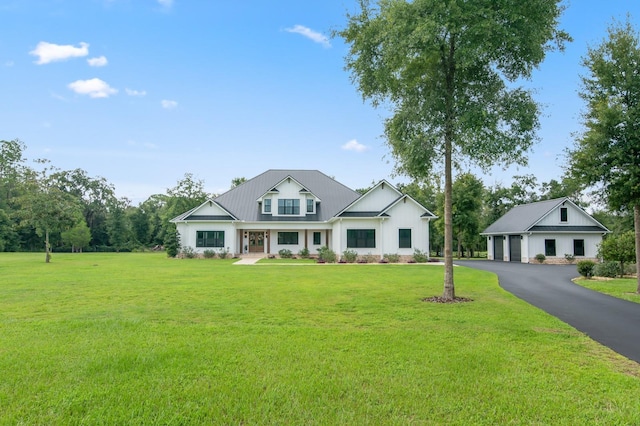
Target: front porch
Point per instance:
(266, 242)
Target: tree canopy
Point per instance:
(447, 70)
(607, 154)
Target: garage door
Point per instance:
(515, 249)
(498, 248)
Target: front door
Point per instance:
(256, 242)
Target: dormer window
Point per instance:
(289, 206)
(310, 205)
(563, 214)
(266, 205)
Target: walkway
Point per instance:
(249, 259)
(612, 322)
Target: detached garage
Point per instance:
(554, 228)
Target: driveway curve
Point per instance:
(613, 322)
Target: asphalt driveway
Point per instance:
(612, 322)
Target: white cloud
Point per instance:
(100, 61)
(9, 64)
(166, 104)
(166, 3)
(49, 52)
(354, 145)
(132, 92)
(310, 34)
(94, 87)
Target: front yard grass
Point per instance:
(142, 339)
(622, 288)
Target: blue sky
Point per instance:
(141, 92)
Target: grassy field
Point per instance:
(623, 288)
(142, 339)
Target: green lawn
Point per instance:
(142, 339)
(623, 288)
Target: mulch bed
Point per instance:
(440, 299)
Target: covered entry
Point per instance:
(515, 248)
(256, 241)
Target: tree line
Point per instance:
(68, 210)
(44, 207)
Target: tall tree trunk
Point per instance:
(47, 250)
(636, 225)
(449, 289)
(449, 133)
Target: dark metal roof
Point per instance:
(207, 217)
(567, 229)
(241, 200)
(362, 214)
(523, 218)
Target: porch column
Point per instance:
(267, 236)
(306, 240)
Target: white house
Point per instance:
(296, 209)
(554, 228)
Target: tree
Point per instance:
(237, 181)
(607, 154)
(619, 248)
(447, 67)
(95, 194)
(467, 193)
(10, 169)
(78, 237)
(48, 209)
(118, 225)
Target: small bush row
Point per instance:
(588, 269)
(190, 253)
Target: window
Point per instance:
(310, 205)
(404, 238)
(289, 206)
(549, 247)
(361, 238)
(267, 205)
(317, 239)
(286, 238)
(578, 247)
(563, 214)
(210, 239)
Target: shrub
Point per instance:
(569, 257)
(369, 258)
(541, 257)
(223, 253)
(172, 241)
(585, 268)
(607, 269)
(285, 253)
(188, 252)
(209, 254)
(349, 256)
(630, 268)
(420, 256)
(391, 257)
(326, 254)
(304, 253)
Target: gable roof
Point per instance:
(349, 212)
(241, 200)
(525, 217)
(192, 214)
